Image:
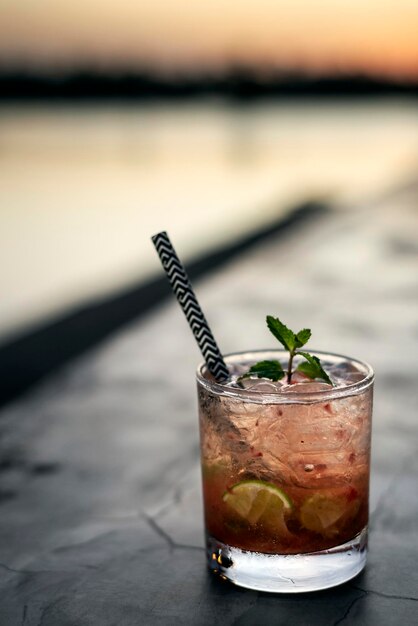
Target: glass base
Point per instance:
(290, 573)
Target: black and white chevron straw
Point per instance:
(185, 295)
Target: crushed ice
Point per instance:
(341, 374)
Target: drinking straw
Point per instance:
(185, 295)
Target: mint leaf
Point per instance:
(265, 369)
(286, 336)
(292, 341)
(313, 367)
(307, 368)
(303, 337)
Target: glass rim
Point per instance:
(278, 397)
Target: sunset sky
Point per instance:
(374, 36)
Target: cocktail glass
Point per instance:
(285, 472)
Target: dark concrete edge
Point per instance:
(30, 357)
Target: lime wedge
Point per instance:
(258, 501)
(326, 515)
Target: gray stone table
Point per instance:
(100, 506)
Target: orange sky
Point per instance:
(349, 35)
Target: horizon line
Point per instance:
(263, 74)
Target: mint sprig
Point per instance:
(291, 341)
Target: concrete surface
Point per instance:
(100, 510)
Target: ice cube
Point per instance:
(354, 377)
(345, 373)
(319, 470)
(261, 385)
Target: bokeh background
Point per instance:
(207, 119)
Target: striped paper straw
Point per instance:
(185, 295)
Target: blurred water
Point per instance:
(83, 187)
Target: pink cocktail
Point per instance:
(285, 472)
